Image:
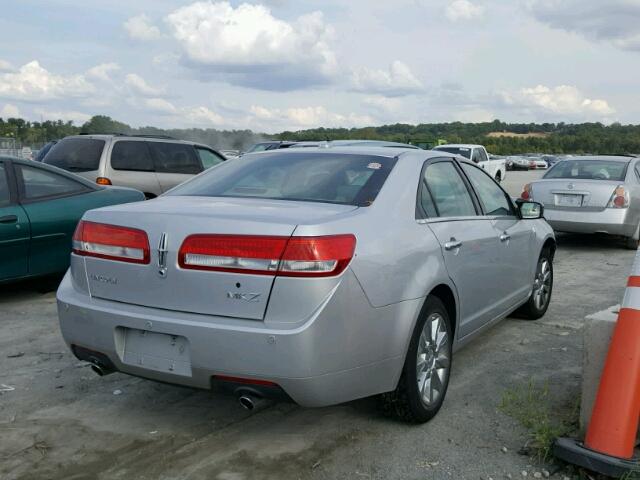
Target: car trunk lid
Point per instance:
(168, 221)
(567, 194)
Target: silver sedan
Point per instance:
(592, 194)
(316, 275)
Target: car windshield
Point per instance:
(261, 147)
(462, 151)
(311, 177)
(76, 154)
(589, 170)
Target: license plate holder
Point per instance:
(568, 200)
(159, 352)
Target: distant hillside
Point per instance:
(499, 137)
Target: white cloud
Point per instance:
(463, 10)
(186, 116)
(34, 83)
(160, 105)
(563, 101)
(141, 28)
(103, 71)
(614, 21)
(397, 81)
(139, 86)
(253, 47)
(202, 116)
(9, 111)
(382, 104)
(5, 66)
(296, 118)
(72, 116)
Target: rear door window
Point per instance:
(208, 157)
(38, 184)
(76, 154)
(448, 191)
(132, 156)
(5, 196)
(175, 158)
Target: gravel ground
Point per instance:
(61, 421)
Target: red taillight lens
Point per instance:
(111, 242)
(232, 253)
(526, 192)
(317, 256)
(265, 255)
(619, 199)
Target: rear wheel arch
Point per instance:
(550, 244)
(445, 294)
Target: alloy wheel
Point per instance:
(433, 359)
(542, 284)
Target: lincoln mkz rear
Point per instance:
(315, 276)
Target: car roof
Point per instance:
(107, 136)
(612, 158)
(374, 151)
(458, 145)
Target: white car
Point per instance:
(497, 168)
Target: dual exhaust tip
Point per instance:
(247, 400)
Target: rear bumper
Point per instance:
(345, 351)
(610, 221)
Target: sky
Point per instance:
(275, 65)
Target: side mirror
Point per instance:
(530, 210)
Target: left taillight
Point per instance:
(111, 242)
(320, 256)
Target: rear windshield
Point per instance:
(589, 170)
(311, 177)
(462, 151)
(76, 154)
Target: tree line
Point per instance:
(595, 138)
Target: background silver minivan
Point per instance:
(151, 164)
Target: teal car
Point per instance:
(40, 206)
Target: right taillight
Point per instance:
(526, 192)
(320, 256)
(111, 242)
(619, 199)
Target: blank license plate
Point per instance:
(157, 351)
(569, 200)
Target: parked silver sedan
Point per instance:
(317, 275)
(592, 194)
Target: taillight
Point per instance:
(103, 181)
(526, 192)
(266, 255)
(619, 199)
(317, 256)
(111, 242)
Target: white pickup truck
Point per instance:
(497, 168)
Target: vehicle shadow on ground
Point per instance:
(589, 241)
(24, 289)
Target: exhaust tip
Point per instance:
(247, 402)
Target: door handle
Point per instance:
(505, 237)
(9, 219)
(452, 244)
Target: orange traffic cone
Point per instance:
(611, 436)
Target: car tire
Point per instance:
(631, 243)
(540, 297)
(411, 401)
(498, 177)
